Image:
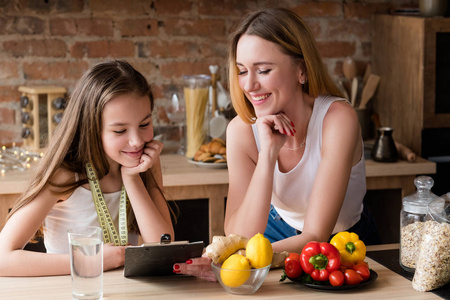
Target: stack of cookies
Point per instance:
(213, 152)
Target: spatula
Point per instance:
(369, 90)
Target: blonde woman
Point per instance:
(104, 138)
(295, 151)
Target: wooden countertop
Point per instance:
(388, 285)
(177, 171)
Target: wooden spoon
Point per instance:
(349, 68)
(369, 90)
(354, 91)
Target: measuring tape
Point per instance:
(104, 217)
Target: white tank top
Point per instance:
(77, 210)
(291, 190)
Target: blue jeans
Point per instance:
(277, 229)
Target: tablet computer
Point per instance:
(157, 259)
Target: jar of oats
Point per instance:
(412, 218)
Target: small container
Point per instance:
(250, 286)
(432, 267)
(384, 149)
(412, 218)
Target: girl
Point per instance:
(104, 140)
(295, 151)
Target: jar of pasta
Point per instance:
(412, 218)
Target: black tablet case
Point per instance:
(158, 260)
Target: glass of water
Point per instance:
(86, 262)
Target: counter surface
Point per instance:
(388, 285)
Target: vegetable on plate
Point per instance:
(350, 247)
(319, 260)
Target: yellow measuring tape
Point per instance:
(104, 217)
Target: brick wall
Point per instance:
(53, 42)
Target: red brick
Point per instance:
(122, 48)
(90, 49)
(21, 25)
(199, 27)
(318, 9)
(367, 49)
(166, 49)
(7, 116)
(51, 6)
(47, 48)
(8, 70)
(139, 27)
(54, 70)
(174, 70)
(173, 7)
(126, 8)
(336, 48)
(95, 27)
(349, 29)
(97, 49)
(9, 93)
(7, 137)
(365, 10)
(63, 26)
(223, 8)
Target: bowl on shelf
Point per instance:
(240, 282)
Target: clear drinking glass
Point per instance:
(86, 262)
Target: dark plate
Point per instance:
(373, 276)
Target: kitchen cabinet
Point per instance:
(412, 56)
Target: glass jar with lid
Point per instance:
(412, 218)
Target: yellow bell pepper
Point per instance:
(350, 246)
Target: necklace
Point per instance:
(299, 147)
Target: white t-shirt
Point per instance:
(291, 190)
(77, 210)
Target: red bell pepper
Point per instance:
(319, 260)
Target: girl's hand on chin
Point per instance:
(152, 150)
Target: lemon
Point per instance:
(259, 251)
(237, 270)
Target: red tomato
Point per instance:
(361, 262)
(351, 277)
(336, 278)
(347, 264)
(363, 271)
(292, 266)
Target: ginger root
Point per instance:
(223, 246)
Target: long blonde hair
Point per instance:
(286, 29)
(77, 139)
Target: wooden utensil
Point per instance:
(342, 88)
(349, 68)
(367, 73)
(369, 89)
(354, 91)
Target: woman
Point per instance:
(295, 151)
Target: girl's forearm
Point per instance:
(152, 215)
(30, 263)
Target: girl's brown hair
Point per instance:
(286, 29)
(77, 139)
